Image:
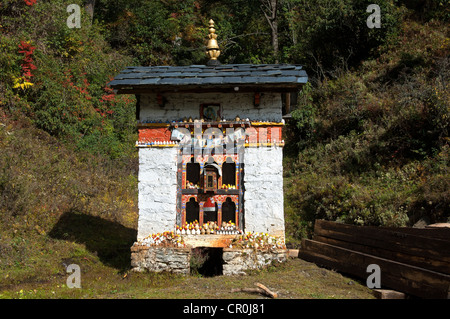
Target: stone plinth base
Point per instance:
(237, 261)
(158, 259)
(177, 260)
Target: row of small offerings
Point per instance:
(208, 228)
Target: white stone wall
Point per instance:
(157, 190)
(263, 196)
(183, 105)
(263, 176)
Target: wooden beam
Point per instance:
(419, 250)
(402, 277)
(419, 261)
(388, 294)
(288, 103)
(261, 289)
(437, 233)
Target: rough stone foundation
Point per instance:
(177, 260)
(158, 259)
(237, 261)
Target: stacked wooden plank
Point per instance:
(413, 261)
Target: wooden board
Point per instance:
(419, 261)
(395, 275)
(433, 232)
(418, 250)
(388, 294)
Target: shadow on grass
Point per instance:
(110, 241)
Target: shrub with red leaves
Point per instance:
(30, 2)
(27, 65)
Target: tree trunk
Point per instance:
(275, 39)
(270, 10)
(89, 7)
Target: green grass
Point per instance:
(296, 279)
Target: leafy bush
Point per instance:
(67, 72)
(305, 118)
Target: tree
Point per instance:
(333, 34)
(89, 7)
(270, 11)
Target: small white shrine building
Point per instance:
(210, 147)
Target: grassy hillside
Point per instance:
(57, 204)
(68, 167)
(370, 146)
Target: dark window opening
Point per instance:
(229, 211)
(229, 173)
(210, 181)
(192, 173)
(192, 211)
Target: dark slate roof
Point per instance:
(221, 77)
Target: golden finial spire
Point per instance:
(212, 48)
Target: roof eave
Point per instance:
(230, 88)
